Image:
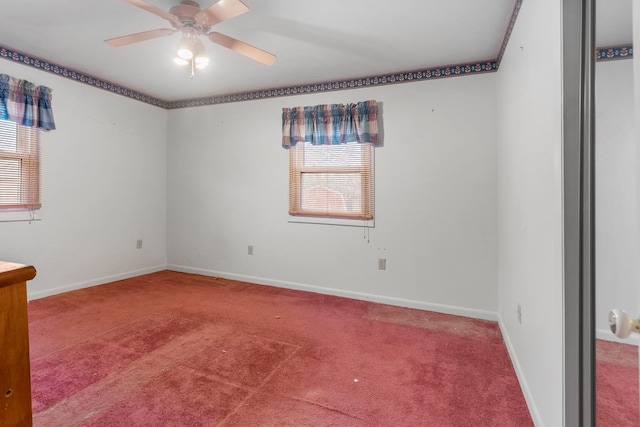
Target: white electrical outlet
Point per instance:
(519, 314)
(382, 264)
(139, 244)
(250, 250)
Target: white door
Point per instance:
(636, 85)
(623, 325)
(618, 226)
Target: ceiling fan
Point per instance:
(192, 22)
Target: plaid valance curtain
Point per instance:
(331, 124)
(24, 103)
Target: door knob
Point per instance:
(621, 324)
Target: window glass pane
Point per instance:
(331, 180)
(8, 136)
(332, 155)
(19, 167)
(331, 192)
(10, 181)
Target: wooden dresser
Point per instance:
(15, 380)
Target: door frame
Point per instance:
(578, 143)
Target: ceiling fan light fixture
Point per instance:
(201, 62)
(185, 48)
(180, 61)
(199, 55)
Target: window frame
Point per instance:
(297, 169)
(28, 153)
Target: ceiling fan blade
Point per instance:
(139, 37)
(221, 11)
(155, 10)
(242, 48)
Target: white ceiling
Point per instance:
(314, 41)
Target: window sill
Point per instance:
(20, 216)
(332, 221)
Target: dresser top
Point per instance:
(11, 273)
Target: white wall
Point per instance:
(636, 115)
(435, 199)
(617, 275)
(530, 206)
(103, 187)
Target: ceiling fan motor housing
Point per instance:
(187, 22)
(187, 9)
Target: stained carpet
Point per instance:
(175, 349)
(617, 384)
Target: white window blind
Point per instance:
(19, 167)
(331, 180)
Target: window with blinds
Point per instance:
(19, 167)
(331, 180)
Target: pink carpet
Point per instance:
(174, 349)
(617, 384)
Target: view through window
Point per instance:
(19, 167)
(331, 180)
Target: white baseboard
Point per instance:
(440, 308)
(526, 391)
(93, 282)
(607, 335)
(602, 334)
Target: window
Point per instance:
(331, 160)
(331, 180)
(19, 167)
